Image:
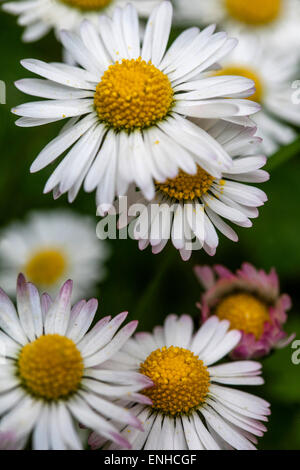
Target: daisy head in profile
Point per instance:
(51, 371)
(189, 209)
(194, 405)
(38, 17)
(131, 105)
(50, 247)
(274, 21)
(250, 300)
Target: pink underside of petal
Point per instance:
(120, 440)
(205, 276)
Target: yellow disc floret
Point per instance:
(88, 5)
(246, 72)
(51, 367)
(185, 186)
(245, 312)
(254, 12)
(133, 94)
(45, 267)
(181, 380)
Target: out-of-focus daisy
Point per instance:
(273, 71)
(274, 21)
(129, 105)
(40, 16)
(49, 248)
(53, 375)
(250, 300)
(188, 208)
(191, 407)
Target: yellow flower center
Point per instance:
(181, 380)
(254, 12)
(247, 73)
(245, 312)
(45, 267)
(133, 94)
(50, 367)
(185, 186)
(88, 5)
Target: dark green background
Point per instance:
(151, 286)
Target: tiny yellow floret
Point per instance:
(185, 186)
(88, 5)
(45, 267)
(181, 380)
(254, 12)
(245, 312)
(51, 367)
(133, 94)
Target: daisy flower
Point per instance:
(273, 72)
(191, 408)
(250, 300)
(50, 247)
(129, 105)
(188, 208)
(40, 16)
(53, 377)
(274, 21)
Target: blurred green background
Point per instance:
(151, 286)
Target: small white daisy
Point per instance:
(51, 247)
(40, 16)
(274, 21)
(273, 72)
(187, 209)
(53, 378)
(191, 408)
(129, 106)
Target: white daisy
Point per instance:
(50, 247)
(188, 208)
(192, 409)
(40, 16)
(53, 375)
(275, 21)
(129, 105)
(273, 72)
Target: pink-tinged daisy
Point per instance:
(131, 105)
(192, 406)
(188, 209)
(250, 300)
(52, 375)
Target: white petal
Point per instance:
(57, 318)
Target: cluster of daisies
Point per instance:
(155, 391)
(183, 132)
